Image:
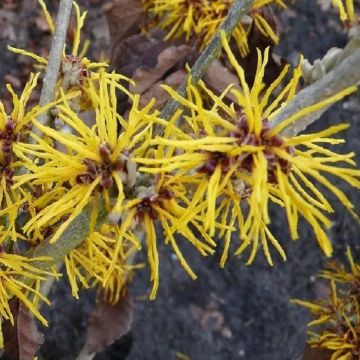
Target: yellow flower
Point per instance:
(337, 317)
(104, 257)
(86, 161)
(14, 128)
(235, 155)
(346, 10)
(17, 273)
(202, 18)
(77, 71)
(67, 171)
(340, 274)
(89, 263)
(160, 202)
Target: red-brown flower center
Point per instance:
(104, 169)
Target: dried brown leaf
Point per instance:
(145, 77)
(10, 4)
(158, 93)
(316, 354)
(13, 80)
(108, 323)
(29, 337)
(322, 290)
(136, 51)
(123, 17)
(132, 53)
(10, 332)
(23, 340)
(28, 6)
(41, 23)
(218, 78)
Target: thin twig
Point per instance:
(211, 52)
(344, 75)
(74, 235)
(54, 62)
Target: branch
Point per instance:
(79, 226)
(74, 235)
(211, 52)
(344, 75)
(54, 62)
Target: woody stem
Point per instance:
(56, 51)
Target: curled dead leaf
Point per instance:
(158, 93)
(322, 290)
(123, 18)
(258, 41)
(10, 4)
(29, 337)
(316, 354)
(134, 52)
(218, 78)
(108, 322)
(23, 340)
(145, 77)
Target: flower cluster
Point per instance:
(220, 164)
(337, 317)
(200, 19)
(79, 164)
(234, 156)
(44, 183)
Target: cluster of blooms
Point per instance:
(337, 317)
(47, 180)
(232, 154)
(23, 204)
(215, 170)
(200, 19)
